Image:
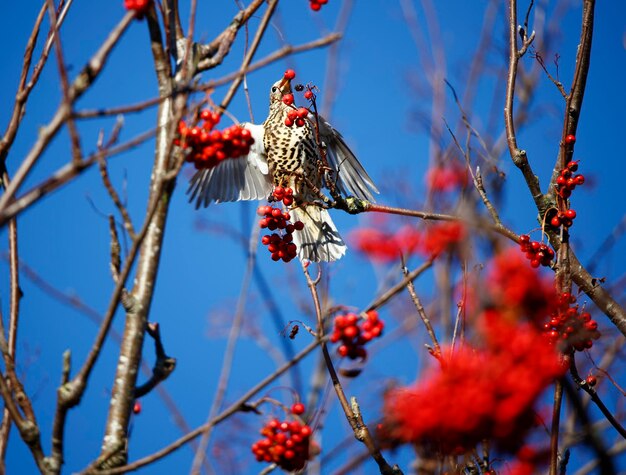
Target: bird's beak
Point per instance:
(283, 82)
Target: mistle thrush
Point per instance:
(290, 157)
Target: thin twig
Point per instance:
(351, 410)
(84, 80)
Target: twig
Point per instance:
(15, 296)
(582, 384)
(65, 85)
(518, 155)
(277, 55)
(351, 410)
(163, 366)
(64, 175)
(271, 6)
(436, 350)
(84, 80)
(106, 180)
(554, 432)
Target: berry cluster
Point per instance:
(317, 4)
(563, 218)
(536, 252)
(570, 328)
(208, 146)
(139, 6)
(279, 245)
(479, 393)
(296, 116)
(283, 194)
(354, 334)
(286, 443)
(567, 181)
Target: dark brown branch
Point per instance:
(163, 366)
(554, 430)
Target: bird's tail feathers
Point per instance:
(319, 240)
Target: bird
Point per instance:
(286, 155)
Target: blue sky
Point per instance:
(65, 236)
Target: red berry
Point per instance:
(297, 408)
(288, 99)
(591, 380)
(290, 74)
(137, 407)
(579, 179)
(288, 122)
(315, 6)
(570, 139)
(556, 222)
(303, 112)
(351, 331)
(308, 95)
(570, 214)
(300, 122)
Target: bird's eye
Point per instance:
(274, 89)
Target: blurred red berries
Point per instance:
(447, 178)
(479, 393)
(316, 5)
(139, 6)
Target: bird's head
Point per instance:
(279, 89)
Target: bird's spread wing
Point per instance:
(352, 179)
(234, 179)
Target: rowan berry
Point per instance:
(279, 244)
(571, 328)
(570, 139)
(290, 74)
(354, 333)
(308, 95)
(288, 99)
(285, 443)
